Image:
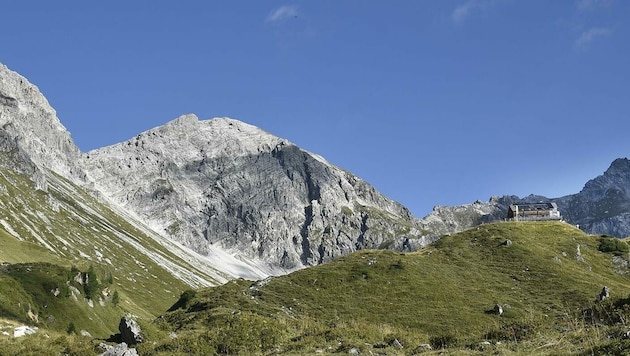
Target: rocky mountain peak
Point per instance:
(615, 178)
(619, 165)
(220, 187)
(617, 174)
(31, 135)
(222, 182)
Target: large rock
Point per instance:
(23, 330)
(130, 332)
(118, 350)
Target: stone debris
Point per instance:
(578, 254)
(119, 350)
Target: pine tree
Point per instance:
(91, 286)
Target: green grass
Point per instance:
(62, 227)
(440, 295)
(50, 343)
(13, 250)
(32, 286)
(371, 300)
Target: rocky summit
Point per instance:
(225, 183)
(32, 139)
(603, 205)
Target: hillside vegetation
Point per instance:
(546, 280)
(49, 237)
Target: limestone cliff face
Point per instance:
(223, 182)
(31, 136)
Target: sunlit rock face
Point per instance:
(31, 137)
(603, 205)
(224, 182)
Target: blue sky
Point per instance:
(433, 102)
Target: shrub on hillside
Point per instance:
(183, 300)
(92, 285)
(613, 245)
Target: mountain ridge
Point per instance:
(234, 193)
(31, 135)
(245, 200)
(188, 174)
(601, 207)
(197, 203)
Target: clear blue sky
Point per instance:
(433, 102)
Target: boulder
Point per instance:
(578, 254)
(130, 332)
(23, 330)
(119, 350)
(422, 348)
(397, 344)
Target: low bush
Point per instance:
(612, 245)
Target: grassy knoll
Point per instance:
(443, 295)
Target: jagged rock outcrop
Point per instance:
(31, 136)
(130, 332)
(223, 182)
(445, 220)
(603, 205)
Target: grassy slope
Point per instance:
(78, 231)
(441, 295)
